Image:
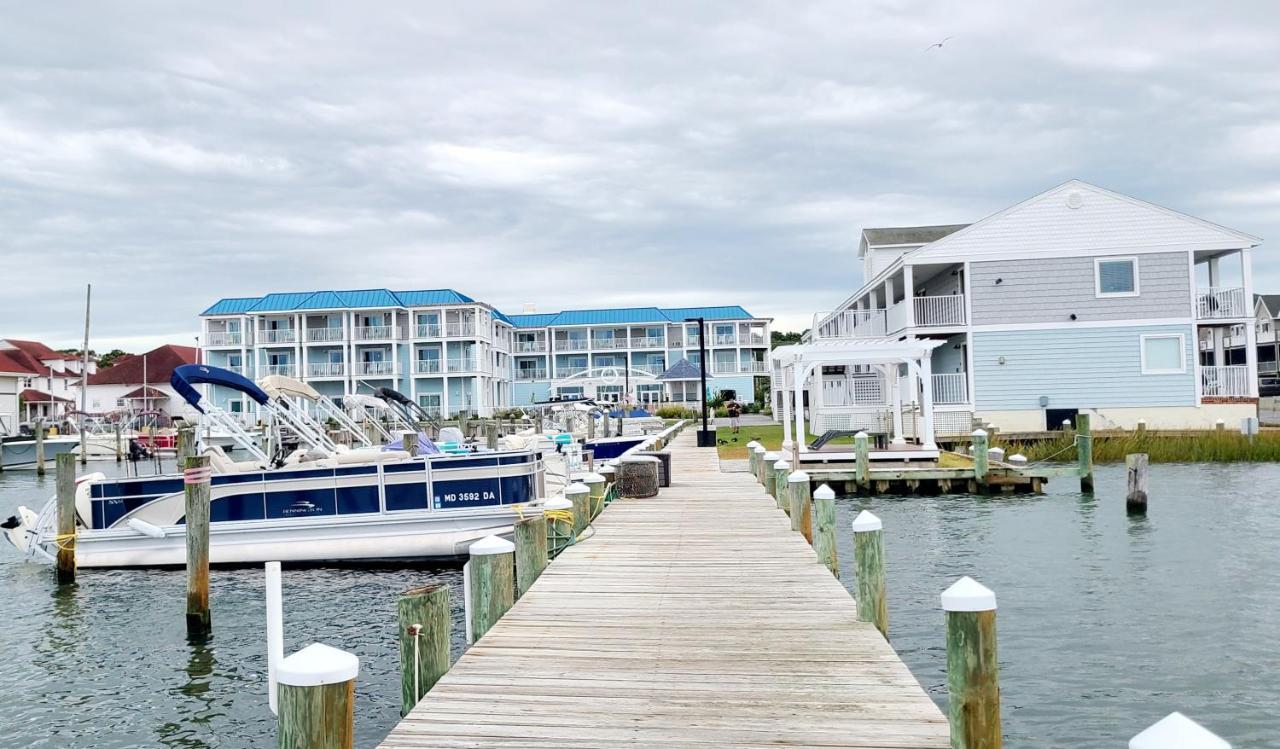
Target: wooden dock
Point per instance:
(696, 619)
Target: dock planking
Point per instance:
(696, 619)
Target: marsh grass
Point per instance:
(1162, 447)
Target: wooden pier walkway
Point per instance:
(693, 619)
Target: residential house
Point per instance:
(141, 383)
(35, 382)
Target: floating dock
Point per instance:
(696, 618)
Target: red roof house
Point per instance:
(159, 364)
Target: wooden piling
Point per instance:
(66, 539)
(491, 584)
(801, 504)
(316, 687)
(868, 556)
(770, 474)
(759, 470)
(196, 486)
(580, 496)
(596, 487)
(409, 443)
(531, 551)
(973, 673)
(824, 536)
(119, 444)
(491, 435)
(1136, 468)
(426, 623)
(751, 457)
(1084, 452)
(781, 489)
(185, 444)
(981, 456)
(862, 458)
(39, 447)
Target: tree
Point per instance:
(111, 357)
(778, 338)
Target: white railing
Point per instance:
(608, 343)
(950, 388)
(426, 366)
(648, 342)
(1214, 304)
(724, 367)
(324, 334)
(462, 365)
(231, 338)
(935, 311)
(375, 368)
(895, 318)
(571, 344)
(460, 330)
(374, 332)
(753, 367)
(1230, 381)
(859, 390)
(278, 369)
(325, 369)
(726, 340)
(279, 335)
(427, 330)
(652, 369)
(531, 374)
(240, 370)
(849, 323)
(530, 346)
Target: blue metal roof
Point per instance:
(630, 315)
(281, 302)
(610, 316)
(368, 298)
(679, 314)
(428, 297)
(232, 306)
(321, 300)
(316, 300)
(533, 321)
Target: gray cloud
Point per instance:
(582, 154)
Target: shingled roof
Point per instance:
(159, 364)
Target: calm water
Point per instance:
(1106, 623)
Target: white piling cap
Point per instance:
(861, 435)
(867, 522)
(787, 444)
(608, 469)
(1219, 421)
(1177, 731)
(577, 489)
(759, 449)
(557, 503)
(316, 665)
(1017, 459)
(797, 477)
(979, 433)
(781, 465)
(772, 456)
(491, 545)
(752, 445)
(587, 478)
(824, 492)
(967, 594)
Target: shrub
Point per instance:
(676, 412)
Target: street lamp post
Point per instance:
(706, 438)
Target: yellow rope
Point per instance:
(59, 539)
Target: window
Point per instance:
(1116, 276)
(1163, 354)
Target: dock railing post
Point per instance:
(1084, 451)
(39, 447)
(759, 453)
(973, 673)
(531, 551)
(795, 497)
(317, 688)
(862, 459)
(824, 537)
(196, 487)
(1177, 730)
(491, 584)
(580, 496)
(596, 490)
(425, 623)
(781, 491)
(868, 555)
(66, 539)
(751, 457)
(770, 474)
(1136, 468)
(559, 514)
(981, 457)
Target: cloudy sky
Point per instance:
(586, 154)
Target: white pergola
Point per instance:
(801, 362)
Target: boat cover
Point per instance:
(185, 378)
(278, 385)
(425, 445)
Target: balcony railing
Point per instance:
(608, 343)
(460, 330)
(753, 367)
(375, 332)
(1213, 304)
(647, 342)
(279, 335)
(939, 311)
(277, 369)
(851, 323)
(723, 339)
(230, 338)
(428, 330)
(1229, 381)
(239, 369)
(950, 388)
(467, 364)
(531, 374)
(427, 366)
(375, 367)
(324, 334)
(652, 369)
(534, 347)
(571, 344)
(859, 390)
(325, 369)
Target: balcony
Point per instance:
(531, 347)
(428, 330)
(608, 343)
(651, 369)
(753, 367)
(1216, 304)
(460, 330)
(383, 368)
(277, 336)
(571, 344)
(427, 366)
(531, 374)
(939, 311)
(375, 333)
(722, 339)
(950, 388)
(287, 370)
(647, 342)
(850, 323)
(466, 364)
(325, 369)
(317, 335)
(229, 338)
(240, 370)
(1225, 382)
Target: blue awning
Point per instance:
(185, 378)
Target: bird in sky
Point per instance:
(937, 44)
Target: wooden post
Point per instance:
(559, 514)
(531, 551)
(596, 485)
(409, 443)
(119, 444)
(973, 674)
(1220, 426)
(981, 456)
(770, 474)
(862, 458)
(580, 496)
(491, 584)
(1136, 467)
(759, 453)
(66, 540)
(317, 698)
(1177, 730)
(491, 435)
(868, 554)
(824, 537)
(781, 488)
(1084, 451)
(195, 480)
(751, 457)
(426, 624)
(591, 426)
(186, 444)
(39, 447)
(1142, 426)
(801, 506)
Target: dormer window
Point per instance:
(1115, 277)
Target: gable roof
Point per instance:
(28, 357)
(149, 393)
(16, 362)
(905, 235)
(1271, 302)
(159, 364)
(31, 395)
(683, 370)
(1077, 218)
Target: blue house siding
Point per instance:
(743, 387)
(1076, 368)
(524, 393)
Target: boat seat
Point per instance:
(220, 463)
(370, 456)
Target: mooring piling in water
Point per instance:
(489, 577)
(824, 536)
(1136, 469)
(317, 698)
(1084, 451)
(196, 478)
(1177, 730)
(973, 673)
(781, 495)
(66, 539)
(531, 551)
(185, 444)
(868, 556)
(39, 447)
(425, 624)
(981, 457)
(862, 459)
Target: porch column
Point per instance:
(1250, 328)
(785, 408)
(801, 444)
(444, 397)
(926, 435)
(891, 372)
(908, 295)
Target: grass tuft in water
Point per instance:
(1190, 447)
